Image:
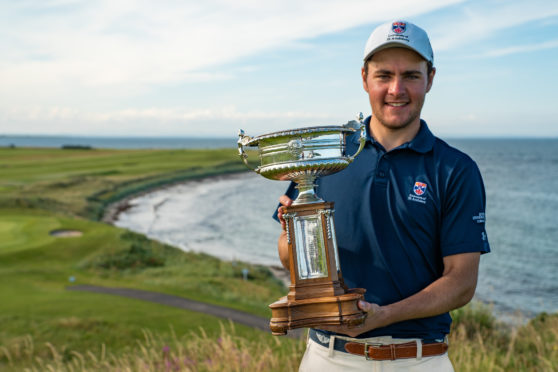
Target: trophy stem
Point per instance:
(306, 191)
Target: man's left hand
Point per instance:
(374, 319)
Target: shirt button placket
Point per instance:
(382, 170)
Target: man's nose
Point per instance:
(396, 86)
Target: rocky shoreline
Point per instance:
(113, 210)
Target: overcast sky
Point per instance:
(207, 68)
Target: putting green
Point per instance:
(21, 232)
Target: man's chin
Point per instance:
(396, 124)
(399, 122)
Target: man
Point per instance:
(409, 219)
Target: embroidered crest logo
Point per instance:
(419, 188)
(398, 27)
(419, 193)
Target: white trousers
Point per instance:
(318, 358)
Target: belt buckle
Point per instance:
(366, 344)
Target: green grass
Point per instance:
(193, 351)
(49, 189)
(83, 182)
(35, 268)
(479, 342)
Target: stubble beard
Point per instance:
(414, 116)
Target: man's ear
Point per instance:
(364, 76)
(430, 79)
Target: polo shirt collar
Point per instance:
(424, 140)
(422, 143)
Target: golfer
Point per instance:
(409, 220)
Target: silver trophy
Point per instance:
(317, 294)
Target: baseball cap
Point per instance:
(399, 34)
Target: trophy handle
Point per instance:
(243, 155)
(362, 139)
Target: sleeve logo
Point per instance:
(479, 218)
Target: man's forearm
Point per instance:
(443, 295)
(454, 289)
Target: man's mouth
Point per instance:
(396, 104)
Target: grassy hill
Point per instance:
(82, 182)
(42, 190)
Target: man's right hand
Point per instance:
(285, 201)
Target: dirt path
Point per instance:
(187, 304)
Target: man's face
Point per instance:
(396, 83)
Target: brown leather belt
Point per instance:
(378, 351)
(395, 351)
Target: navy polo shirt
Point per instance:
(397, 214)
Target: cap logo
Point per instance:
(398, 27)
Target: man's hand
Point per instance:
(375, 318)
(285, 201)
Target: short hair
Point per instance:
(429, 66)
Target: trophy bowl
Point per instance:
(302, 155)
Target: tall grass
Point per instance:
(192, 352)
(479, 343)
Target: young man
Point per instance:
(409, 219)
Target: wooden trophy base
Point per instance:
(314, 312)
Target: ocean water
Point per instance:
(231, 218)
(521, 181)
(227, 217)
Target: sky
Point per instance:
(207, 68)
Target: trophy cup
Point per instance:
(317, 294)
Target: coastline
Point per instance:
(113, 210)
(500, 308)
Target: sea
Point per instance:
(230, 217)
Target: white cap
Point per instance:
(399, 34)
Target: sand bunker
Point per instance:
(66, 233)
